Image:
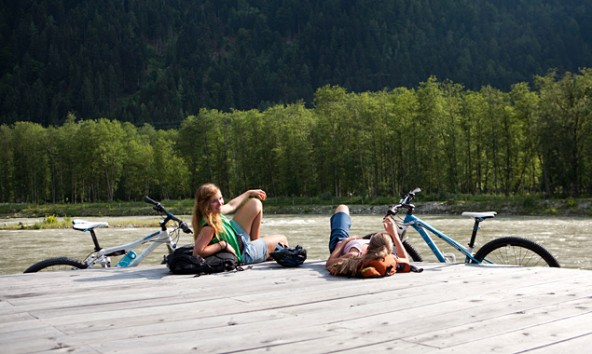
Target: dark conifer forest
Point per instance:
(154, 61)
(116, 99)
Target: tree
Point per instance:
(138, 165)
(102, 149)
(329, 139)
(565, 123)
(6, 164)
(527, 163)
(31, 167)
(171, 173)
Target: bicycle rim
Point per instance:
(515, 251)
(56, 264)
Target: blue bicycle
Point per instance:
(505, 250)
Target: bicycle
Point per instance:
(509, 250)
(102, 256)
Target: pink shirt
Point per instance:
(360, 244)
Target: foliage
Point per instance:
(157, 62)
(440, 137)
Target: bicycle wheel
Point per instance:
(516, 251)
(412, 252)
(55, 264)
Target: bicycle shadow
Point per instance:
(315, 266)
(149, 273)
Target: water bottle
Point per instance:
(127, 259)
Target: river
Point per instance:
(568, 239)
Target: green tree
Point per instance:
(6, 164)
(138, 164)
(565, 119)
(31, 166)
(292, 149)
(202, 143)
(171, 174)
(400, 140)
(428, 147)
(527, 163)
(102, 149)
(472, 123)
(331, 145)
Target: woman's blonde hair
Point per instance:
(380, 246)
(203, 210)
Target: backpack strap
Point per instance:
(406, 267)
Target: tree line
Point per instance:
(440, 136)
(157, 62)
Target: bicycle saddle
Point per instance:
(83, 225)
(480, 215)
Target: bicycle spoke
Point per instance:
(511, 255)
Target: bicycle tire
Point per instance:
(56, 264)
(412, 252)
(516, 251)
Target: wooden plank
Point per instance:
(578, 344)
(542, 335)
(185, 325)
(278, 309)
(123, 302)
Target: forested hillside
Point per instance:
(440, 137)
(160, 61)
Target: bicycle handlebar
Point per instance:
(404, 203)
(158, 207)
(149, 200)
(186, 229)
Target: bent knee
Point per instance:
(342, 208)
(254, 204)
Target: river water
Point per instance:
(568, 239)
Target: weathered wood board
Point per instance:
(447, 308)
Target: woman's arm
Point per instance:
(202, 244)
(391, 228)
(232, 205)
(336, 254)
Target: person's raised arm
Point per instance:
(232, 205)
(391, 228)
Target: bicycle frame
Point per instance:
(507, 250)
(421, 226)
(102, 256)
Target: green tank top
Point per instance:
(228, 234)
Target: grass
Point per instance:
(516, 205)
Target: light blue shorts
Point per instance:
(255, 251)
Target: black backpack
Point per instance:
(182, 261)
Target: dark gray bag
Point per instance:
(182, 261)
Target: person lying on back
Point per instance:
(364, 257)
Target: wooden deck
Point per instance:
(447, 308)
